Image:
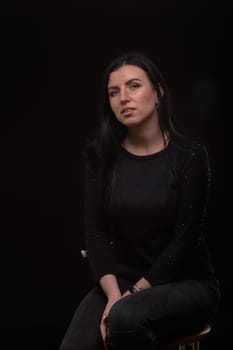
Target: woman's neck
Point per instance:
(143, 143)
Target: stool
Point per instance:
(183, 341)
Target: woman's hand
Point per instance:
(103, 330)
(113, 297)
(103, 322)
(126, 293)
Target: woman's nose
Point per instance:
(124, 96)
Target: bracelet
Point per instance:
(132, 290)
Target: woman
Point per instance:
(145, 204)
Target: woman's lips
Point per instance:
(127, 111)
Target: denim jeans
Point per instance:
(136, 321)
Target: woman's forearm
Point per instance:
(142, 284)
(110, 286)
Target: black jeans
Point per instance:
(137, 320)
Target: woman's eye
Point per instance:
(113, 93)
(134, 86)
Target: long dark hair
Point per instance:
(102, 149)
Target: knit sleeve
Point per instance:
(193, 189)
(97, 233)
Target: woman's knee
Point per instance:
(126, 329)
(120, 318)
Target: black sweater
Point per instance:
(154, 224)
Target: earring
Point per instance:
(157, 105)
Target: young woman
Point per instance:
(146, 194)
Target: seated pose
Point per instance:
(146, 194)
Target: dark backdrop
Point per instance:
(54, 55)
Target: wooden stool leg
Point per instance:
(196, 346)
(182, 347)
(191, 341)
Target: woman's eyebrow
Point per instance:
(126, 83)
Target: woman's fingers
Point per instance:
(103, 327)
(103, 330)
(126, 294)
(105, 346)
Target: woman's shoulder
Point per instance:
(189, 153)
(189, 148)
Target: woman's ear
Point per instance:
(161, 90)
(161, 93)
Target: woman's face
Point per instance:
(132, 96)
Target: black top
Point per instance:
(154, 225)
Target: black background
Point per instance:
(53, 57)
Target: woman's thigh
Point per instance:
(83, 331)
(167, 309)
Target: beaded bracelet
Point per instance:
(132, 290)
